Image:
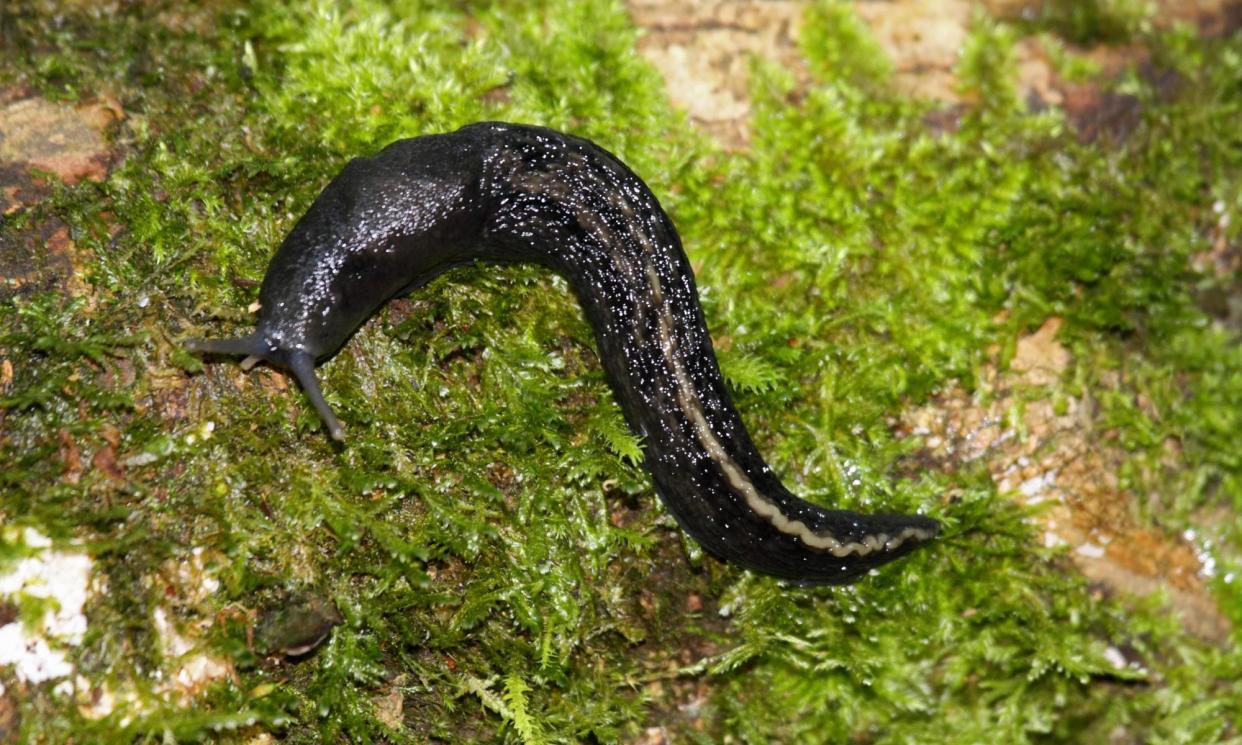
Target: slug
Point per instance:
(506, 193)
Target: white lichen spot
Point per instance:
(191, 670)
(1203, 552)
(1115, 658)
(34, 539)
(201, 433)
(1090, 550)
(37, 651)
(194, 577)
(1052, 540)
(35, 648)
(99, 702)
(1035, 488)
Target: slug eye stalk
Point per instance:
(300, 364)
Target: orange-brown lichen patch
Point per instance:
(1212, 17)
(51, 137)
(1051, 455)
(10, 718)
(1039, 358)
(78, 260)
(37, 135)
(104, 461)
(1098, 107)
(924, 39)
(703, 49)
(70, 458)
(41, 259)
(18, 187)
(389, 703)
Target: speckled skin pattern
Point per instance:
(495, 192)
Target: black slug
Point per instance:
(495, 192)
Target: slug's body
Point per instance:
(497, 192)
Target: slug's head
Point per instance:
(256, 348)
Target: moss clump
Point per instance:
(500, 564)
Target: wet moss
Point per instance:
(499, 561)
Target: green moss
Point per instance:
(1093, 21)
(498, 558)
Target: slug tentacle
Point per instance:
(257, 349)
(496, 192)
(302, 366)
(251, 346)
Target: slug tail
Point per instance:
(302, 365)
